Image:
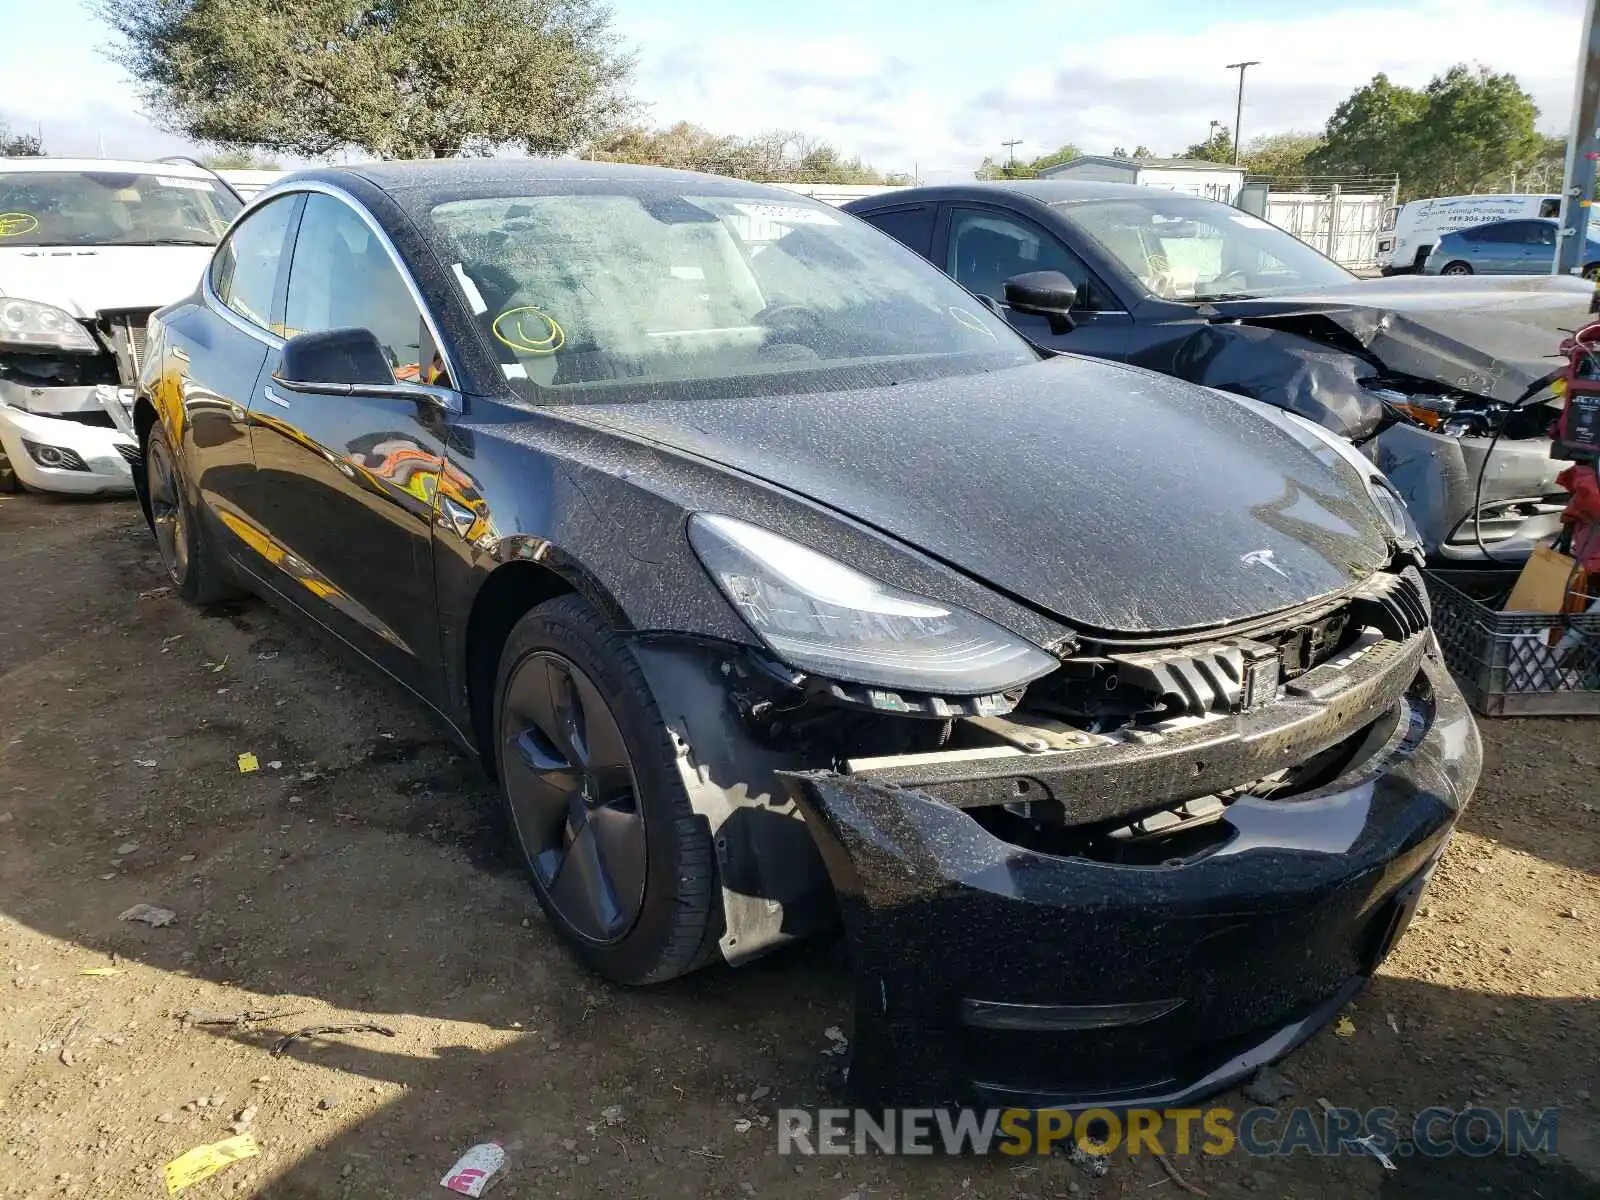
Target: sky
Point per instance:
(931, 86)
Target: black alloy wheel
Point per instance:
(167, 516)
(574, 797)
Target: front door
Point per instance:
(345, 484)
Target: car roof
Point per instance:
(1042, 191)
(123, 166)
(420, 183)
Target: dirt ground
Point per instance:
(362, 874)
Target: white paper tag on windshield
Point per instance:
(1248, 219)
(515, 371)
(178, 181)
(788, 214)
(474, 296)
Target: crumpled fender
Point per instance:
(1318, 382)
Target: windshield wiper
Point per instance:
(168, 241)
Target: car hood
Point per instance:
(1493, 337)
(83, 280)
(1112, 498)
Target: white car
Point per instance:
(1411, 231)
(88, 249)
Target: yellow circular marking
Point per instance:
(16, 224)
(529, 330)
(971, 321)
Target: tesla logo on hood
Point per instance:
(1262, 558)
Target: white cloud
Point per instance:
(1147, 85)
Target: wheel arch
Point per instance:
(534, 573)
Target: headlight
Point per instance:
(29, 323)
(1384, 495)
(821, 616)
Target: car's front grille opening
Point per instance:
(130, 455)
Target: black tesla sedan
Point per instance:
(778, 580)
(1444, 383)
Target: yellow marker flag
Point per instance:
(205, 1161)
(247, 763)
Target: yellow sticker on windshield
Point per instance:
(17, 224)
(972, 322)
(529, 330)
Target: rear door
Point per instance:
(982, 246)
(1498, 249)
(347, 483)
(216, 351)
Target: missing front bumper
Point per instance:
(993, 974)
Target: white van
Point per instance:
(1410, 231)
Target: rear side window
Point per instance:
(913, 226)
(244, 273)
(1499, 234)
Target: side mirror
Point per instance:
(334, 361)
(1047, 294)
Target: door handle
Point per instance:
(274, 397)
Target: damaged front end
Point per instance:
(1444, 384)
(66, 411)
(1130, 881)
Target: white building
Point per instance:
(1213, 181)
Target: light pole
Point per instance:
(1011, 150)
(1583, 151)
(1238, 111)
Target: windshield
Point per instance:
(609, 289)
(111, 208)
(1185, 248)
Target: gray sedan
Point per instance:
(1526, 247)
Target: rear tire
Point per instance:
(185, 553)
(1457, 268)
(1591, 271)
(567, 690)
(9, 483)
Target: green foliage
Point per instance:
(778, 157)
(18, 145)
(1462, 133)
(1139, 151)
(989, 169)
(239, 160)
(1217, 148)
(1280, 156)
(402, 79)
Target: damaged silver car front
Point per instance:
(66, 397)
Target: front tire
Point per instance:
(1591, 271)
(1457, 268)
(620, 863)
(9, 482)
(190, 563)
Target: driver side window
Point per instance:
(341, 276)
(986, 248)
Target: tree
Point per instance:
(1280, 156)
(777, 157)
(1139, 151)
(18, 145)
(1463, 132)
(1061, 154)
(238, 160)
(1217, 148)
(989, 169)
(401, 79)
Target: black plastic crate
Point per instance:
(1506, 663)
